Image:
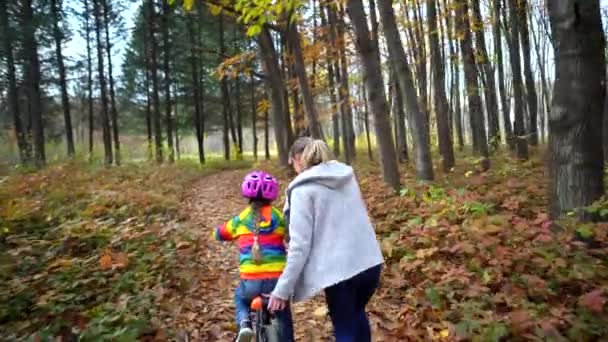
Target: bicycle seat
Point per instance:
(259, 303)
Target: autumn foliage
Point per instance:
(124, 253)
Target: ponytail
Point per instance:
(256, 211)
(312, 151)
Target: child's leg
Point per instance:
(241, 303)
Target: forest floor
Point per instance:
(126, 253)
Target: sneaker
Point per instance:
(245, 332)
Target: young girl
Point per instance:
(260, 231)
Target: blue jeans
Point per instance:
(346, 302)
(249, 289)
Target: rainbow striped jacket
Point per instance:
(270, 239)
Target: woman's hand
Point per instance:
(276, 304)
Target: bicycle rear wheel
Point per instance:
(260, 332)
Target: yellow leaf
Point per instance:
(171, 2)
(188, 4)
(254, 30)
(215, 10)
(321, 311)
(444, 333)
(61, 263)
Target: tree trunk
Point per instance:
(267, 139)
(530, 86)
(176, 120)
(521, 144)
(239, 119)
(113, 111)
(300, 70)
(372, 74)
(65, 100)
(454, 79)
(399, 116)
(200, 84)
(275, 83)
(156, 119)
(87, 29)
(167, 83)
(32, 79)
(330, 54)
(441, 104)
(488, 76)
(13, 94)
(226, 115)
(575, 123)
(504, 100)
(194, 63)
(148, 100)
(105, 123)
(347, 112)
(283, 82)
(366, 113)
(254, 118)
(478, 127)
(544, 104)
(419, 116)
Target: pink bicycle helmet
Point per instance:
(260, 185)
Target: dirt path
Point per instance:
(206, 312)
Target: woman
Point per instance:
(333, 245)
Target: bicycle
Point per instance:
(265, 325)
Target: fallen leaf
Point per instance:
(105, 262)
(593, 300)
(120, 260)
(182, 245)
(321, 311)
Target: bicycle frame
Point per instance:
(262, 321)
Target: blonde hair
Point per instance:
(312, 151)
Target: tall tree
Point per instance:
(330, 37)
(345, 100)
(275, 83)
(254, 124)
(455, 77)
(372, 74)
(531, 96)
(504, 101)
(87, 37)
(419, 116)
(32, 79)
(487, 75)
(446, 148)
(575, 122)
(194, 63)
(107, 137)
(478, 127)
(156, 117)
(399, 118)
(521, 144)
(167, 73)
(13, 93)
(113, 110)
(65, 99)
(300, 70)
(225, 96)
